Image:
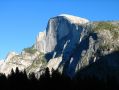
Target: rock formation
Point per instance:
(41, 42)
(69, 44)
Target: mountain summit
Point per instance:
(58, 27)
(69, 44)
(63, 34)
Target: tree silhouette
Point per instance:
(18, 80)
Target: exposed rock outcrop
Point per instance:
(63, 29)
(22, 61)
(69, 44)
(40, 44)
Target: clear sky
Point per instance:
(21, 20)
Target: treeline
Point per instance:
(19, 81)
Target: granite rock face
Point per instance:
(62, 30)
(24, 61)
(69, 44)
(63, 34)
(74, 43)
(40, 44)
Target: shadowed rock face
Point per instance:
(63, 34)
(73, 43)
(62, 37)
(69, 44)
(105, 67)
(60, 29)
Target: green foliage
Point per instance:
(40, 60)
(116, 48)
(30, 50)
(104, 26)
(115, 34)
(105, 47)
(37, 63)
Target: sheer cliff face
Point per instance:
(68, 44)
(40, 42)
(62, 28)
(73, 43)
(58, 29)
(63, 34)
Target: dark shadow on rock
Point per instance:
(107, 66)
(70, 51)
(70, 67)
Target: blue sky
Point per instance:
(21, 20)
